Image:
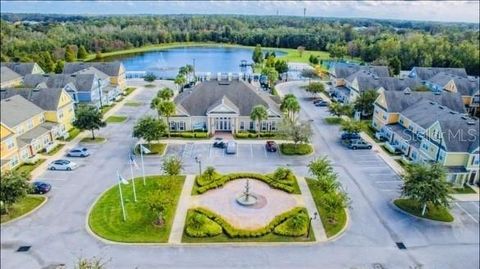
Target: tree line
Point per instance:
(56, 39)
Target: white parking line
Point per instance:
(388, 190)
(251, 151)
(466, 212)
(387, 181)
(210, 152)
(265, 152)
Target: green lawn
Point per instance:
(133, 103)
(333, 120)
(105, 109)
(72, 133)
(106, 220)
(90, 140)
(128, 91)
(116, 119)
(55, 150)
(292, 149)
(433, 213)
(28, 168)
(465, 190)
(155, 148)
(24, 206)
(149, 85)
(331, 228)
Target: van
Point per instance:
(231, 147)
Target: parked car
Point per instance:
(231, 147)
(318, 99)
(62, 165)
(349, 136)
(358, 144)
(39, 187)
(271, 146)
(78, 152)
(219, 143)
(381, 136)
(321, 103)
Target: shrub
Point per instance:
(198, 225)
(267, 134)
(250, 135)
(201, 135)
(294, 226)
(292, 149)
(187, 135)
(242, 135)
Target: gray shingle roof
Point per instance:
(26, 138)
(7, 74)
(343, 70)
(82, 82)
(465, 86)
(109, 68)
(45, 98)
(425, 73)
(397, 101)
(92, 70)
(22, 68)
(208, 93)
(17, 109)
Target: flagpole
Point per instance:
(121, 196)
(133, 181)
(143, 167)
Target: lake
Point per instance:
(165, 63)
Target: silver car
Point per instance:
(78, 152)
(231, 147)
(62, 165)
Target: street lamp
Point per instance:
(199, 161)
(310, 223)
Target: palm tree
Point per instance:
(290, 105)
(426, 184)
(320, 167)
(258, 114)
(180, 80)
(364, 102)
(166, 109)
(165, 94)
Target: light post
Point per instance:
(199, 161)
(310, 223)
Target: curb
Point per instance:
(93, 143)
(341, 233)
(28, 213)
(437, 222)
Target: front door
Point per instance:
(471, 181)
(223, 124)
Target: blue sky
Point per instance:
(457, 11)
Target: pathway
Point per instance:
(317, 226)
(181, 213)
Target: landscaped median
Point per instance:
(296, 149)
(149, 220)
(154, 148)
(22, 207)
(93, 140)
(116, 119)
(432, 213)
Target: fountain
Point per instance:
(247, 198)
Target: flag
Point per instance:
(132, 161)
(122, 179)
(144, 149)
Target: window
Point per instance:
(14, 161)
(274, 126)
(30, 124)
(252, 125)
(385, 117)
(10, 143)
(24, 154)
(401, 121)
(60, 114)
(425, 146)
(264, 125)
(242, 125)
(182, 125)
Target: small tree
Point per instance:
(282, 173)
(88, 118)
(338, 109)
(297, 131)
(394, 66)
(93, 263)
(281, 66)
(272, 76)
(320, 167)
(70, 54)
(258, 114)
(290, 106)
(180, 80)
(315, 88)
(365, 102)
(300, 50)
(159, 202)
(149, 129)
(59, 67)
(149, 77)
(166, 109)
(98, 55)
(426, 184)
(165, 94)
(13, 187)
(257, 55)
(353, 126)
(172, 166)
(333, 202)
(328, 183)
(82, 52)
(209, 174)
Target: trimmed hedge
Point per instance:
(287, 228)
(299, 149)
(207, 227)
(245, 135)
(235, 232)
(202, 181)
(281, 185)
(189, 134)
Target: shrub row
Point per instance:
(226, 178)
(299, 149)
(253, 135)
(293, 226)
(202, 180)
(234, 232)
(205, 226)
(189, 135)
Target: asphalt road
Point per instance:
(57, 234)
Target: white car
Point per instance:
(231, 147)
(62, 165)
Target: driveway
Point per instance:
(57, 234)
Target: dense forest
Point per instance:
(50, 40)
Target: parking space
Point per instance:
(467, 212)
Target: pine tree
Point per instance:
(82, 53)
(70, 55)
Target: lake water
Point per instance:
(165, 63)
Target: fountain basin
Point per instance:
(243, 200)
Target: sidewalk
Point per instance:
(320, 235)
(68, 145)
(181, 212)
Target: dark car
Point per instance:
(219, 143)
(271, 146)
(317, 100)
(349, 136)
(359, 144)
(39, 187)
(321, 104)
